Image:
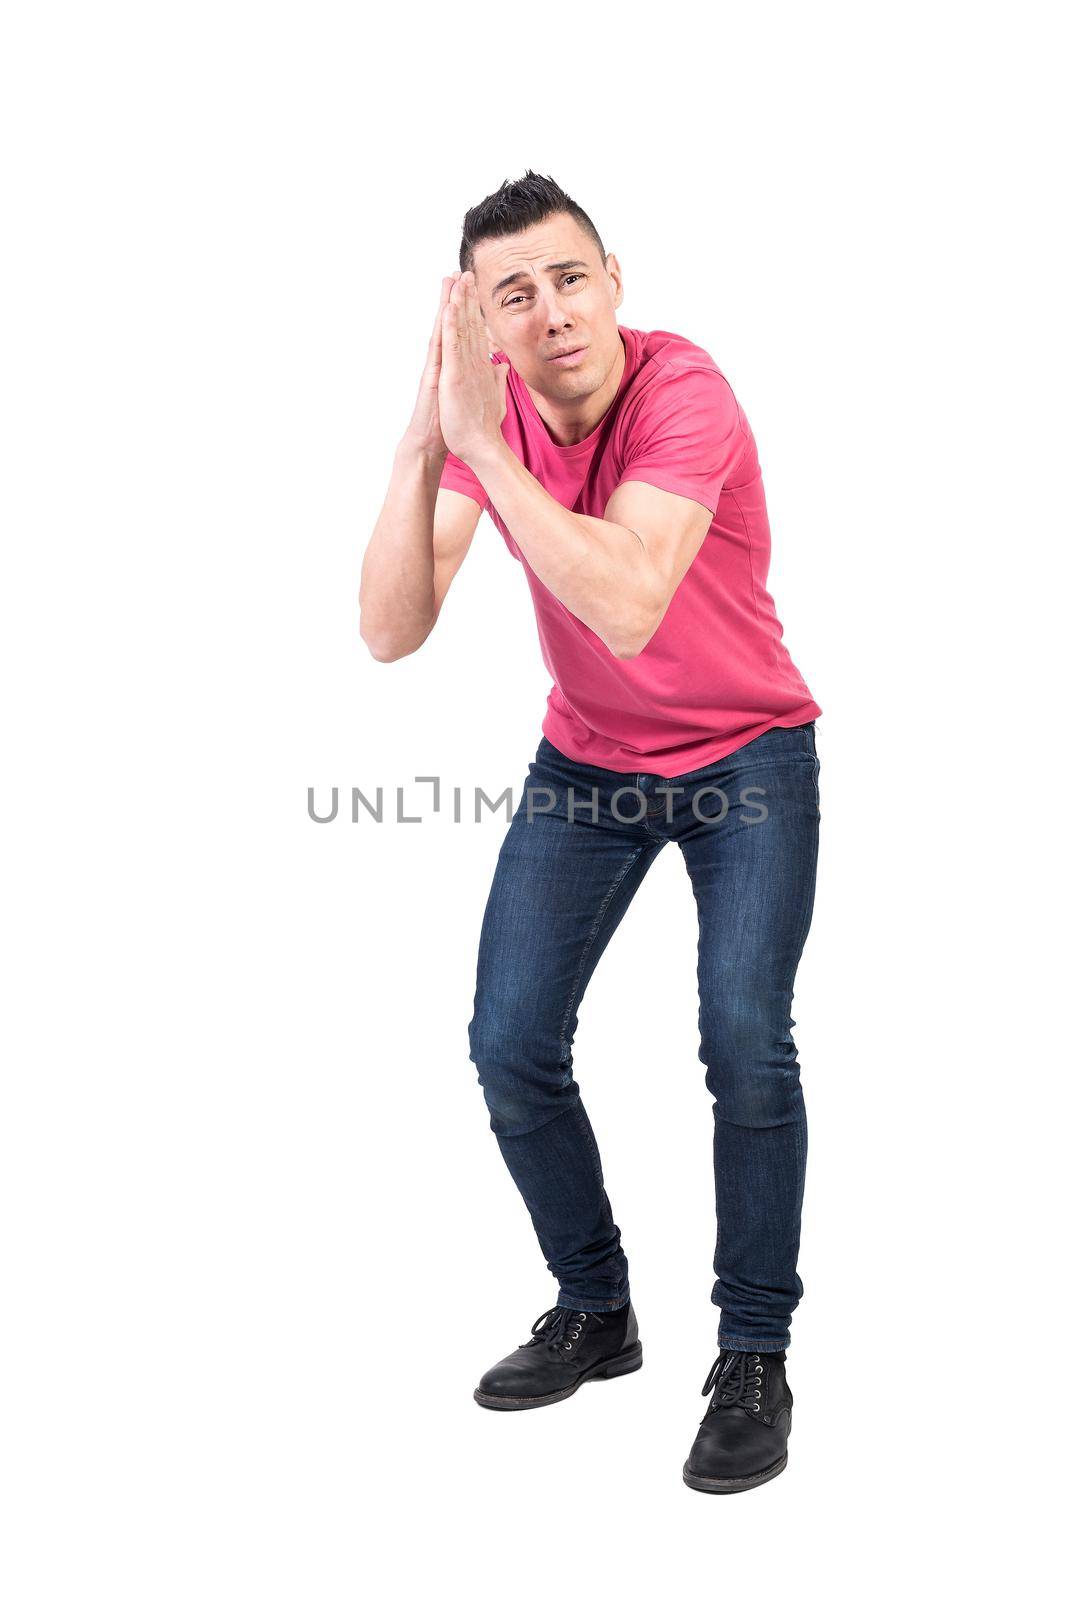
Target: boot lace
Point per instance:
(559, 1327)
(738, 1379)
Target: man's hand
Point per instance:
(471, 388)
(424, 429)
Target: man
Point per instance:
(624, 477)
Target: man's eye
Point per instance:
(513, 298)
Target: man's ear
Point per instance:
(617, 286)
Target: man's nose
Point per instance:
(556, 314)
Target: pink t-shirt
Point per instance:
(716, 673)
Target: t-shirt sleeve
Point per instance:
(456, 474)
(687, 436)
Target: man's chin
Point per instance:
(575, 381)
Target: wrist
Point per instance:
(486, 453)
(413, 451)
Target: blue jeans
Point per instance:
(748, 828)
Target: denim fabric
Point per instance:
(748, 828)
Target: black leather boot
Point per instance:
(568, 1348)
(742, 1439)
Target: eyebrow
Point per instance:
(516, 277)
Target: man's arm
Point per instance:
(616, 573)
(423, 531)
(420, 539)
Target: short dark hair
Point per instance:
(519, 204)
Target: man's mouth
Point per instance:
(572, 357)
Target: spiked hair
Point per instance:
(519, 204)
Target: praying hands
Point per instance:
(471, 387)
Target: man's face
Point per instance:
(557, 295)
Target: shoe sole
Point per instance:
(732, 1485)
(612, 1367)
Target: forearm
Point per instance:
(599, 570)
(397, 577)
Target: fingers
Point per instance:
(446, 291)
(456, 299)
(466, 342)
(475, 320)
(464, 322)
(434, 350)
(481, 338)
(443, 300)
(455, 329)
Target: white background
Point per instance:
(258, 1241)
